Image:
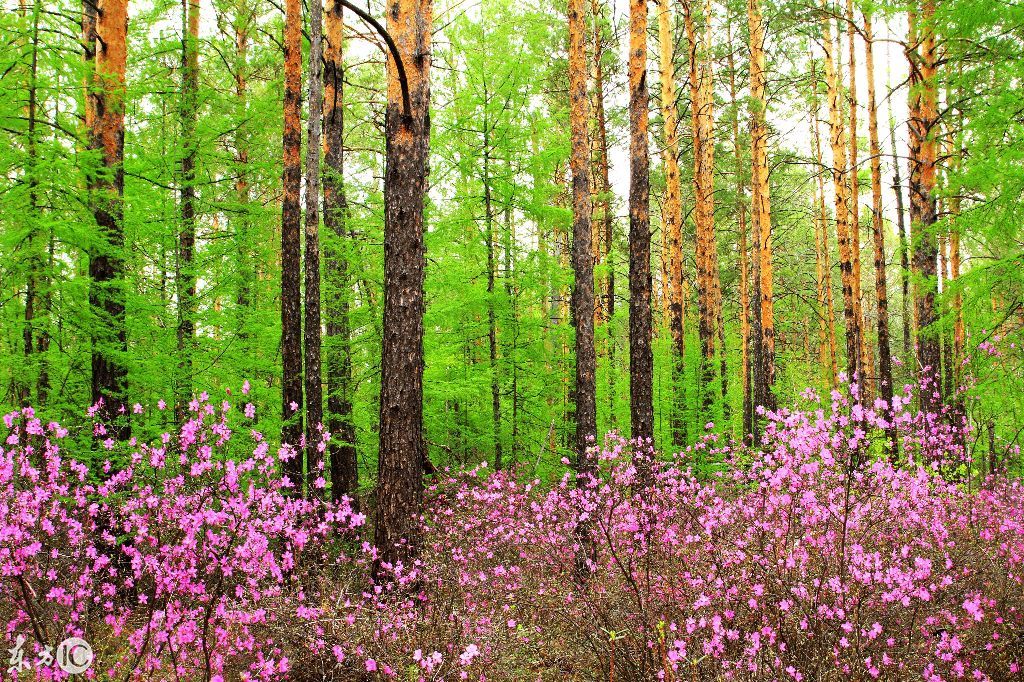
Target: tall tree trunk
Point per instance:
(672, 222)
(492, 323)
(764, 340)
(897, 188)
(923, 109)
(291, 264)
(106, 262)
(185, 272)
(313, 374)
(402, 454)
(745, 274)
(338, 347)
(641, 357)
(885, 385)
(246, 262)
(866, 356)
(702, 117)
(582, 252)
(826, 305)
(605, 200)
(838, 141)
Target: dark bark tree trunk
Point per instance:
(897, 188)
(311, 333)
(246, 265)
(106, 261)
(641, 358)
(582, 250)
(185, 272)
(923, 211)
(605, 201)
(492, 322)
(338, 346)
(291, 267)
(402, 453)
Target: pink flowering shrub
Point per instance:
(818, 554)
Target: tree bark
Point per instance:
(897, 188)
(826, 305)
(291, 297)
(582, 250)
(885, 385)
(866, 360)
(338, 347)
(106, 262)
(185, 272)
(402, 453)
(605, 201)
(764, 340)
(839, 144)
(641, 358)
(923, 109)
(246, 262)
(672, 223)
(702, 120)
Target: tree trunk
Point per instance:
(764, 340)
(641, 358)
(492, 324)
(885, 385)
(313, 374)
(672, 223)
(402, 454)
(106, 262)
(702, 118)
(185, 272)
(866, 360)
(897, 188)
(923, 110)
(246, 262)
(605, 201)
(344, 463)
(582, 250)
(291, 297)
(826, 306)
(846, 243)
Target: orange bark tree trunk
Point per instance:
(764, 323)
(672, 221)
(106, 259)
(923, 109)
(885, 385)
(582, 250)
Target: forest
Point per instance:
(512, 339)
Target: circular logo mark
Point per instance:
(74, 655)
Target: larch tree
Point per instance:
(866, 365)
(105, 108)
(838, 141)
(185, 271)
(924, 117)
(407, 138)
(823, 261)
(672, 221)
(582, 251)
(885, 385)
(291, 246)
(604, 199)
(641, 356)
(313, 376)
(344, 464)
(702, 126)
(760, 213)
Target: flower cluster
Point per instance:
(822, 551)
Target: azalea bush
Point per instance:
(821, 553)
